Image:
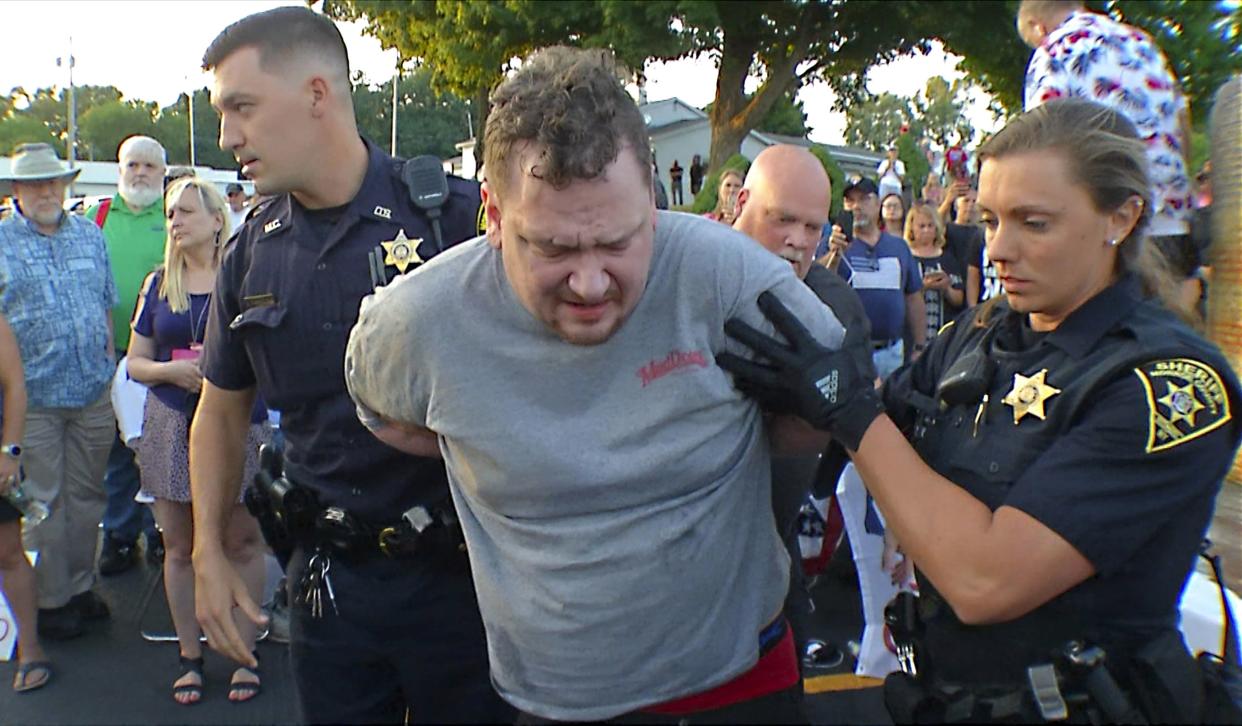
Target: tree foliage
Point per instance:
(104, 126)
(911, 153)
(427, 122)
(876, 122)
(787, 116)
(173, 131)
(16, 130)
(940, 111)
(936, 114)
(835, 175)
(785, 43)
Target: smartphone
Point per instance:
(731, 204)
(845, 220)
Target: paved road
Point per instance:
(113, 676)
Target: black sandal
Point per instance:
(246, 690)
(195, 666)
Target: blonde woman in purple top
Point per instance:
(169, 323)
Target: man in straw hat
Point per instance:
(57, 292)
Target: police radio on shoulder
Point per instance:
(428, 187)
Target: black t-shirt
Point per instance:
(845, 304)
(938, 309)
(967, 240)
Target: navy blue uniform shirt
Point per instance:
(1137, 425)
(286, 297)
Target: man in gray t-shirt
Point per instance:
(612, 485)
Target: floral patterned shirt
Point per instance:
(1095, 57)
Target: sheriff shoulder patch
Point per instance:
(1185, 400)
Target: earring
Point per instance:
(1113, 242)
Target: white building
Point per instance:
(99, 178)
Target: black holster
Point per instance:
(285, 512)
(1164, 680)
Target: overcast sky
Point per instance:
(152, 51)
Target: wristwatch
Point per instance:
(13, 451)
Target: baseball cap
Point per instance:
(864, 185)
(234, 187)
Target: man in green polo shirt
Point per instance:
(133, 224)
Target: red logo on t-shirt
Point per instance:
(676, 359)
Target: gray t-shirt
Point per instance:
(615, 498)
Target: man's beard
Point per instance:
(138, 196)
(46, 218)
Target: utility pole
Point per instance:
(71, 153)
(190, 98)
(396, 81)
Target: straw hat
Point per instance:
(35, 162)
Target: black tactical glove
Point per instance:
(824, 387)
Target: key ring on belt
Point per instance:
(387, 537)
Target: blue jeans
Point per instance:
(123, 518)
(888, 359)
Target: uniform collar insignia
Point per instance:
(1028, 395)
(401, 251)
(271, 226)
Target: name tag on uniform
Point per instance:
(261, 300)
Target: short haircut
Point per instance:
(142, 146)
(280, 35)
(572, 104)
(1040, 9)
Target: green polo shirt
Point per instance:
(135, 248)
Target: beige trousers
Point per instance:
(65, 453)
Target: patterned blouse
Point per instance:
(1095, 57)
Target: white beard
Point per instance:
(139, 196)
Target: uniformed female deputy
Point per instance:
(1051, 462)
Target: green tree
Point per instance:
(940, 111)
(172, 130)
(22, 129)
(427, 122)
(50, 106)
(876, 122)
(104, 126)
(835, 175)
(910, 154)
(787, 116)
(469, 45)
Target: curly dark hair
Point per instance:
(571, 103)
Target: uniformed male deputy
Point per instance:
(388, 623)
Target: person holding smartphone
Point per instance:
(944, 273)
(168, 328)
(17, 577)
